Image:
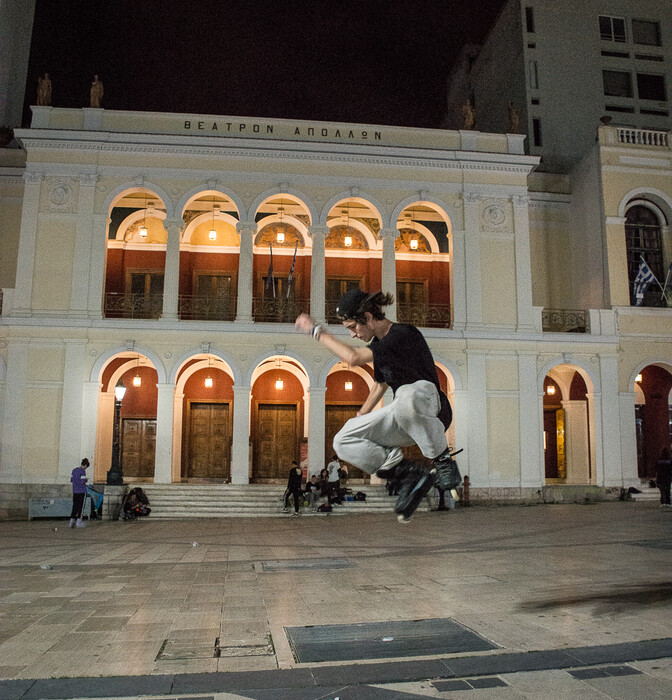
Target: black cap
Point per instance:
(350, 303)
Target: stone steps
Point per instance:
(248, 501)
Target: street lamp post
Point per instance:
(115, 477)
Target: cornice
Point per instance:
(419, 158)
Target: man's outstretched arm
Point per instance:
(356, 357)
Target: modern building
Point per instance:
(564, 66)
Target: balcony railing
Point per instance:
(119, 305)
(424, 315)
(564, 321)
(278, 310)
(199, 308)
(643, 137)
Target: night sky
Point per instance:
(369, 61)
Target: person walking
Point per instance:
(294, 488)
(664, 477)
(419, 413)
(78, 480)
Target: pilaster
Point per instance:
(247, 230)
(171, 275)
(609, 462)
(521, 228)
(90, 393)
(83, 234)
(478, 420)
(11, 450)
(240, 449)
(97, 252)
(25, 263)
(628, 433)
(472, 260)
(70, 448)
(317, 273)
(458, 263)
(529, 406)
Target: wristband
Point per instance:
(317, 330)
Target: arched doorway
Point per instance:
(278, 418)
(569, 456)
(653, 416)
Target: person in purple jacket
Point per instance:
(78, 480)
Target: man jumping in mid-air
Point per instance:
(419, 414)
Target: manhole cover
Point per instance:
(383, 640)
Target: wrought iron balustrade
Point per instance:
(424, 315)
(118, 305)
(207, 308)
(564, 321)
(279, 310)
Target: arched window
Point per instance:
(643, 240)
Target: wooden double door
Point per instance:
(208, 441)
(335, 417)
(138, 446)
(276, 441)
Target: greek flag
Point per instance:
(667, 281)
(644, 278)
(291, 271)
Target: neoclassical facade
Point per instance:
(171, 254)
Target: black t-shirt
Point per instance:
(402, 356)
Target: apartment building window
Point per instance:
(646, 32)
(534, 75)
(651, 87)
(536, 132)
(529, 19)
(617, 83)
(612, 28)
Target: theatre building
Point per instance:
(169, 255)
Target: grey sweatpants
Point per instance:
(372, 441)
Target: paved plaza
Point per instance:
(546, 601)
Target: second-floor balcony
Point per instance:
(564, 321)
(121, 305)
(206, 308)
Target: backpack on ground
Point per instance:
(325, 508)
(360, 496)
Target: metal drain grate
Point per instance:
(306, 564)
(383, 640)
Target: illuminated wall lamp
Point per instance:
(414, 243)
(279, 384)
(137, 380)
(347, 241)
(348, 386)
(280, 237)
(638, 378)
(550, 389)
(208, 382)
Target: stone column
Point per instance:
(79, 290)
(626, 403)
(171, 276)
(531, 446)
(11, 450)
(521, 227)
(70, 448)
(247, 230)
(25, 262)
(240, 448)
(164, 434)
(461, 428)
(317, 273)
(389, 269)
(98, 254)
(472, 258)
(316, 431)
(577, 449)
(176, 461)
